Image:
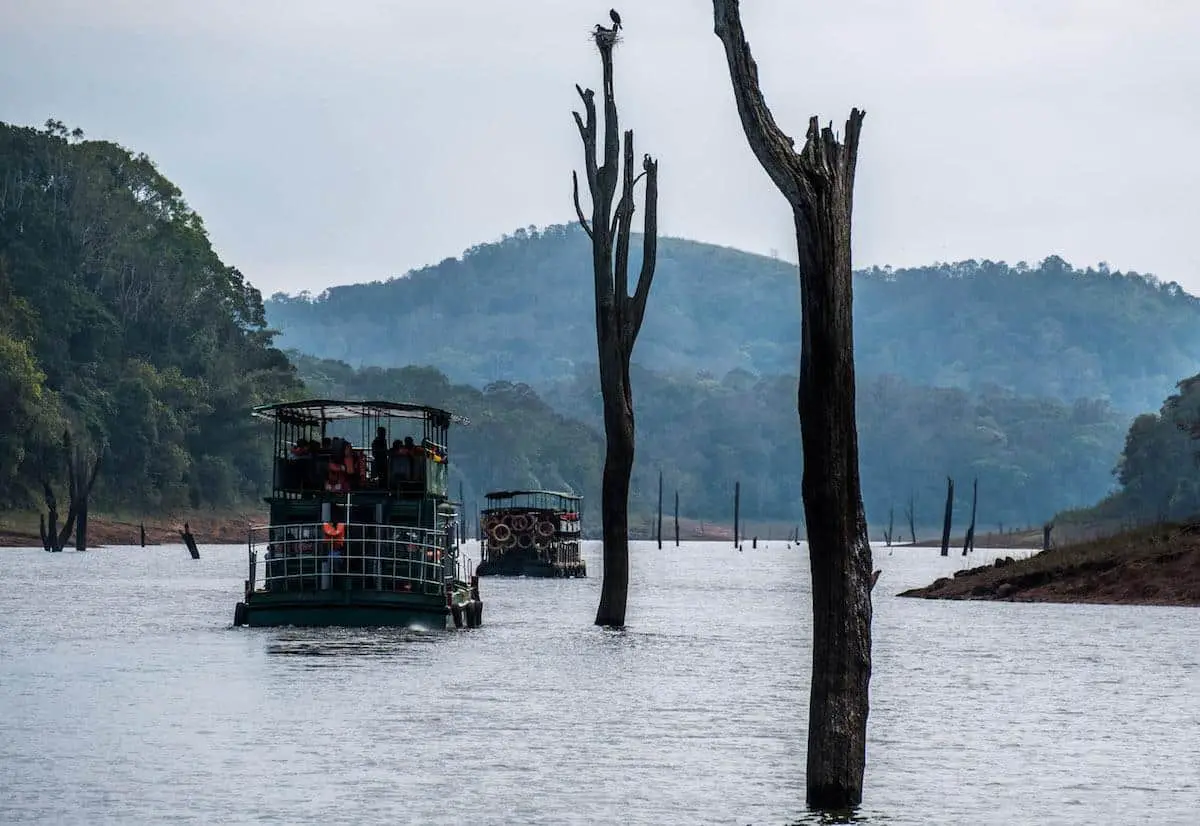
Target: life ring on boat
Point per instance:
(524, 540)
(500, 532)
(545, 528)
(520, 522)
(336, 534)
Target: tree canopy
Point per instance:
(119, 321)
(1032, 456)
(1159, 467)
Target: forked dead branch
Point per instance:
(618, 314)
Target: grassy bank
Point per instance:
(1157, 565)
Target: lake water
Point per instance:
(126, 697)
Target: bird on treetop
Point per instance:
(616, 19)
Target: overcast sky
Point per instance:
(334, 142)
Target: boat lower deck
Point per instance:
(392, 576)
(345, 608)
(508, 565)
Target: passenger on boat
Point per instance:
(341, 470)
(360, 467)
(300, 448)
(401, 460)
(379, 454)
(351, 467)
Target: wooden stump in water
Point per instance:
(189, 541)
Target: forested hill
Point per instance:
(519, 310)
(119, 323)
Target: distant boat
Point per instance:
(531, 533)
(358, 537)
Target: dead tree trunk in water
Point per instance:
(189, 541)
(969, 543)
(818, 183)
(948, 518)
(887, 536)
(658, 532)
(50, 536)
(79, 488)
(618, 315)
(910, 512)
(676, 519)
(737, 506)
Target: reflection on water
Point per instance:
(831, 818)
(128, 698)
(349, 642)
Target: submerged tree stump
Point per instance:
(948, 516)
(969, 542)
(189, 541)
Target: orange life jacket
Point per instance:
(336, 534)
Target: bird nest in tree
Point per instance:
(605, 38)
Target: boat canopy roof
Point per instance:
(512, 494)
(315, 411)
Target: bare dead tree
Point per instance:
(676, 519)
(618, 314)
(818, 183)
(79, 487)
(948, 517)
(737, 506)
(911, 513)
(969, 542)
(658, 529)
(52, 540)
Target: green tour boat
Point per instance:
(361, 532)
(531, 533)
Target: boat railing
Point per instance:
(309, 557)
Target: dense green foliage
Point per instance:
(1159, 468)
(512, 310)
(119, 321)
(1032, 456)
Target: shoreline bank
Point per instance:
(20, 530)
(1159, 565)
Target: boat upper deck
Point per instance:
(325, 448)
(543, 500)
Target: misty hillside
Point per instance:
(520, 309)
